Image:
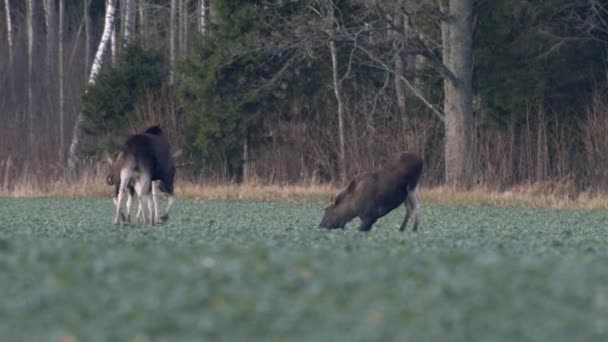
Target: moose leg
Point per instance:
(154, 200)
(366, 224)
(129, 202)
(140, 208)
(143, 190)
(409, 208)
(146, 184)
(140, 211)
(169, 204)
(125, 178)
(415, 203)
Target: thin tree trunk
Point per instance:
(457, 37)
(172, 40)
(338, 93)
(128, 19)
(399, 68)
(49, 15)
(61, 78)
(541, 147)
(97, 62)
(9, 30)
(245, 177)
(203, 17)
(30, 72)
(184, 30)
(142, 22)
(51, 71)
(113, 45)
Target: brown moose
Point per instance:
(372, 195)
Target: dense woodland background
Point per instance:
(495, 93)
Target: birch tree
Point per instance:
(95, 68)
(203, 17)
(9, 31)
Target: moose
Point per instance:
(372, 195)
(143, 165)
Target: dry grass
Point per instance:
(544, 195)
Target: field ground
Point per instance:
(245, 271)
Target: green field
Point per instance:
(246, 271)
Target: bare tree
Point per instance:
(142, 21)
(61, 79)
(128, 22)
(337, 88)
(30, 74)
(184, 27)
(399, 65)
(49, 16)
(9, 30)
(97, 62)
(457, 40)
(172, 40)
(113, 45)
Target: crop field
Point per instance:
(247, 271)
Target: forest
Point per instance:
(492, 93)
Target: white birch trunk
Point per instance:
(30, 74)
(105, 38)
(172, 40)
(203, 17)
(61, 78)
(9, 31)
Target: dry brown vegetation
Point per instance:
(548, 194)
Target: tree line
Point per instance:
(495, 93)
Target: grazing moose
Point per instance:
(372, 195)
(143, 160)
